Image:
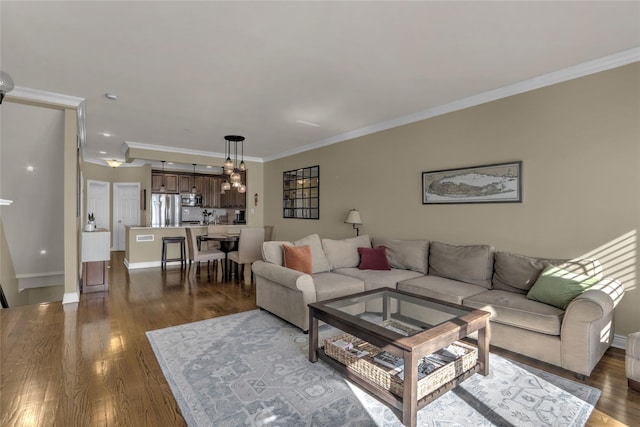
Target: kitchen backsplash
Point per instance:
(195, 214)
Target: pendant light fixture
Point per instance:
(193, 189)
(231, 167)
(162, 187)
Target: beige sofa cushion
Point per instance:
(344, 253)
(331, 285)
(405, 254)
(272, 252)
(471, 264)
(375, 279)
(517, 273)
(440, 288)
(319, 261)
(514, 309)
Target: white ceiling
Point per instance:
(188, 73)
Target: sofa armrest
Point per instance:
(587, 327)
(286, 277)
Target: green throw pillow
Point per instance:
(558, 287)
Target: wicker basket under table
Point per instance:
(387, 378)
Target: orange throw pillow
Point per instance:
(298, 258)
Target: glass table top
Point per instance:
(401, 313)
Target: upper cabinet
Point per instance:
(209, 186)
(170, 183)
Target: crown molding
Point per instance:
(26, 94)
(570, 73)
(166, 149)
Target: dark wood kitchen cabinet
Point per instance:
(170, 183)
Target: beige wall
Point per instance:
(580, 146)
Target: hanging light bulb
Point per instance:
(226, 186)
(193, 189)
(242, 166)
(162, 187)
(242, 188)
(235, 177)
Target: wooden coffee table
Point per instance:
(437, 323)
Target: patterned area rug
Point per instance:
(251, 369)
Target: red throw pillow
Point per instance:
(298, 258)
(373, 258)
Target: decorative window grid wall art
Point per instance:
(497, 183)
(301, 193)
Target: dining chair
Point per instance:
(213, 230)
(249, 250)
(269, 232)
(196, 255)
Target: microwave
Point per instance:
(190, 199)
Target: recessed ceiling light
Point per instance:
(111, 96)
(102, 152)
(43, 251)
(304, 122)
(30, 168)
(106, 134)
(169, 163)
(209, 166)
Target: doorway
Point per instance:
(126, 211)
(98, 195)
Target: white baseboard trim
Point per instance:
(71, 297)
(619, 341)
(148, 264)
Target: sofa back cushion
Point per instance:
(471, 264)
(319, 261)
(405, 254)
(344, 253)
(517, 273)
(272, 252)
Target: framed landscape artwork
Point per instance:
(498, 183)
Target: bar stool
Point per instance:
(182, 259)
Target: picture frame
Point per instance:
(494, 183)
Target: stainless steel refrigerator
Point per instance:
(165, 210)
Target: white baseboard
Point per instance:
(148, 264)
(71, 297)
(619, 341)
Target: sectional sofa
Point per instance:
(573, 333)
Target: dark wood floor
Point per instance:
(92, 365)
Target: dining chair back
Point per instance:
(215, 230)
(269, 233)
(249, 249)
(196, 255)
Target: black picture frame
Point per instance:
(301, 193)
(494, 183)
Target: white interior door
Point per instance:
(126, 210)
(98, 193)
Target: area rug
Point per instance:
(251, 369)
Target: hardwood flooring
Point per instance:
(91, 364)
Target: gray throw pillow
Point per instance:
(319, 261)
(471, 263)
(343, 253)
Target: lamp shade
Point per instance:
(353, 217)
(113, 163)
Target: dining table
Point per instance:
(228, 243)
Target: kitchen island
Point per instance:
(144, 244)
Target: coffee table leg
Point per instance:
(313, 337)
(410, 391)
(484, 336)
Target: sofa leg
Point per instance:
(581, 377)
